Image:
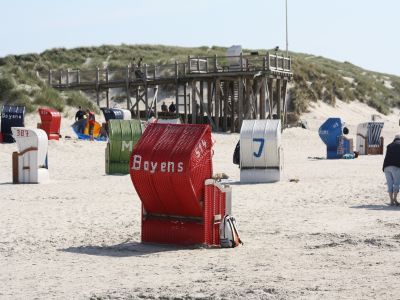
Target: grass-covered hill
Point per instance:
(315, 77)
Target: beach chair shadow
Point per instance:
(125, 249)
(376, 207)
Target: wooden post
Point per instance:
(67, 77)
(60, 78)
(232, 92)
(279, 99)
(15, 167)
(270, 97)
(194, 103)
(50, 77)
(107, 90)
(240, 104)
(262, 99)
(78, 76)
(176, 90)
(146, 100)
(241, 61)
(284, 122)
(137, 103)
(201, 101)
(255, 98)
(189, 103)
(215, 67)
(145, 71)
(98, 86)
(217, 102)
(209, 98)
(127, 84)
(185, 102)
(248, 100)
(225, 108)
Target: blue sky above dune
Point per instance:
(364, 32)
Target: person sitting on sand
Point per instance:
(391, 167)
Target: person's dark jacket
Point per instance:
(172, 108)
(79, 115)
(392, 157)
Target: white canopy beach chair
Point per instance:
(369, 140)
(30, 162)
(261, 153)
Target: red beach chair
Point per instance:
(51, 122)
(170, 168)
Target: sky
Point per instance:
(363, 32)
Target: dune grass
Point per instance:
(315, 77)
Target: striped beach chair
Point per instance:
(369, 139)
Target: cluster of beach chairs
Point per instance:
(170, 165)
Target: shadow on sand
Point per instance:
(125, 249)
(377, 207)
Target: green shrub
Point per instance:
(76, 99)
(7, 84)
(49, 97)
(19, 97)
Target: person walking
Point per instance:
(391, 167)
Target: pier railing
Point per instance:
(272, 63)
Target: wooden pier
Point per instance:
(221, 91)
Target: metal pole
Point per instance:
(287, 43)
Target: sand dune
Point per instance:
(330, 235)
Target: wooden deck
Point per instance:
(237, 87)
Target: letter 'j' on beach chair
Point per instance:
(170, 168)
(261, 152)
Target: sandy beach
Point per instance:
(330, 235)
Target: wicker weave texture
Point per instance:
(156, 229)
(123, 135)
(168, 168)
